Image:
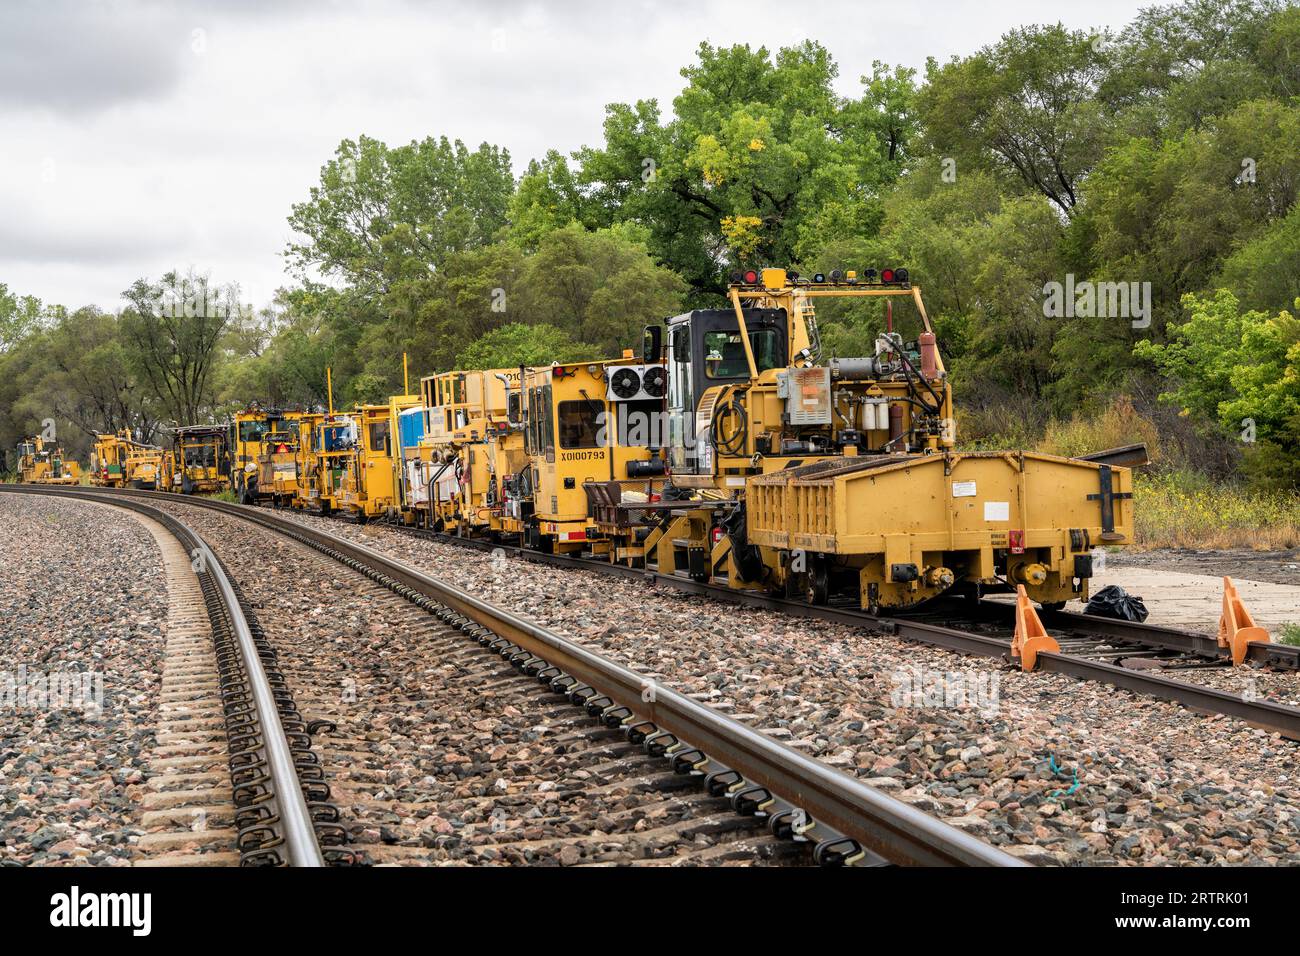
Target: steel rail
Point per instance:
(1282, 718)
(884, 825)
(1150, 635)
(295, 818)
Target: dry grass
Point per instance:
(1182, 510)
(1178, 508)
(1120, 424)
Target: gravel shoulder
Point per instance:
(81, 592)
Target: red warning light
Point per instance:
(887, 275)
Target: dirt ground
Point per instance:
(1184, 587)
(1275, 567)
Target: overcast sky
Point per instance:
(138, 137)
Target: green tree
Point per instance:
(1026, 106)
(1239, 370)
(517, 344)
(378, 211)
(19, 316)
(600, 287)
(758, 148)
(549, 197)
(175, 327)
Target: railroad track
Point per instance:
(275, 799)
(1092, 648)
(783, 793)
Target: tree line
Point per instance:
(1158, 158)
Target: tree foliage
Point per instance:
(1162, 154)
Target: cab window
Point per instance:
(547, 431)
(252, 430)
(580, 424)
(724, 353)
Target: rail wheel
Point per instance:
(817, 588)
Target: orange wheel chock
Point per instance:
(1031, 637)
(1236, 627)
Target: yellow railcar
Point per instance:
(277, 463)
(327, 442)
(594, 459)
(41, 462)
(200, 459)
(119, 461)
(370, 487)
(471, 446)
(144, 467)
(842, 477)
(248, 435)
(108, 459)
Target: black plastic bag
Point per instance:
(1114, 601)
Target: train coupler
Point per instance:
(1236, 627)
(1031, 638)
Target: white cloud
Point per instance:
(139, 137)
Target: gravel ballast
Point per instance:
(81, 591)
(1055, 770)
(440, 753)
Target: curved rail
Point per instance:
(803, 797)
(290, 805)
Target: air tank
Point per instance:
(895, 421)
(929, 356)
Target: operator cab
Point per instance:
(704, 350)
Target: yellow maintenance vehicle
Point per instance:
(277, 463)
(471, 446)
(323, 455)
(248, 428)
(294, 489)
(200, 459)
(145, 467)
(119, 461)
(593, 456)
(406, 412)
(108, 459)
(369, 485)
(41, 462)
(841, 477)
